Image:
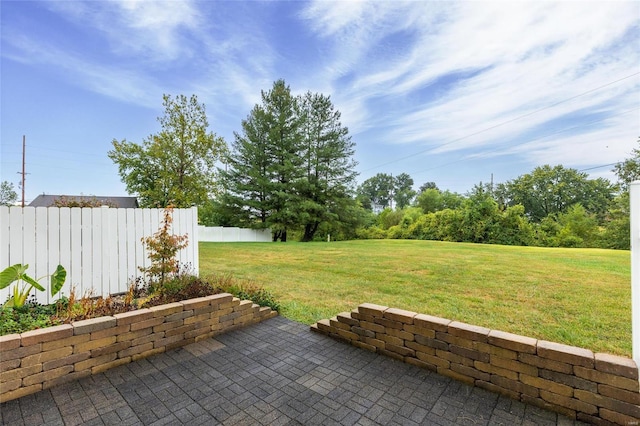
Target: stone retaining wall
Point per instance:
(596, 388)
(39, 359)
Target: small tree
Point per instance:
(7, 194)
(163, 247)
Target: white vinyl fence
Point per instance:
(634, 193)
(100, 248)
(230, 234)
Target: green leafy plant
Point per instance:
(31, 316)
(18, 273)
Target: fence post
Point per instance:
(634, 193)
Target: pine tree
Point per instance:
(291, 167)
(329, 167)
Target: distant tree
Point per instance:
(177, 165)
(629, 170)
(480, 215)
(574, 228)
(388, 218)
(215, 213)
(617, 228)
(433, 200)
(552, 190)
(8, 195)
(427, 185)
(377, 189)
(403, 193)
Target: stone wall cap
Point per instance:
(47, 334)
(565, 353)
(430, 321)
(618, 365)
(9, 341)
(467, 331)
(372, 309)
(93, 324)
(513, 341)
(400, 315)
(373, 306)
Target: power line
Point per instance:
(599, 167)
(503, 123)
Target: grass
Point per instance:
(580, 297)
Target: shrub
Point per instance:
(251, 291)
(30, 316)
(181, 287)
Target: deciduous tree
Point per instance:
(8, 195)
(377, 189)
(552, 190)
(177, 165)
(403, 193)
(629, 169)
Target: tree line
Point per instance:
(290, 168)
(550, 206)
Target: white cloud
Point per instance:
(527, 56)
(421, 74)
(150, 29)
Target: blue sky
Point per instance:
(449, 92)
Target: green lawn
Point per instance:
(580, 297)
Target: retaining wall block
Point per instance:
(564, 353)
(376, 311)
(47, 357)
(595, 388)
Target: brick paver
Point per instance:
(273, 373)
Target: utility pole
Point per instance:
(391, 194)
(24, 173)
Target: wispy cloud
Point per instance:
(149, 29)
(452, 80)
(481, 65)
(147, 48)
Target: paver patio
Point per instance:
(273, 373)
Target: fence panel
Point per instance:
(100, 248)
(231, 234)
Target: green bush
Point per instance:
(30, 316)
(247, 291)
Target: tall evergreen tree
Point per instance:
(247, 178)
(291, 167)
(328, 163)
(285, 143)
